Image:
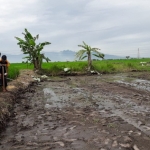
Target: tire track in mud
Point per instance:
(82, 113)
(124, 101)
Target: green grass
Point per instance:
(74, 66)
(122, 65)
(102, 66)
(14, 69)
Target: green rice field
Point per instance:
(102, 66)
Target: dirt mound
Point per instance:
(15, 87)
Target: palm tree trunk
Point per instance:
(35, 64)
(89, 62)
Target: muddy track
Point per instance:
(81, 113)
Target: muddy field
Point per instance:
(99, 112)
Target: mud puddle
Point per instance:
(136, 83)
(81, 113)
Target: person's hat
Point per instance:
(4, 57)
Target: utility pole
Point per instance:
(138, 53)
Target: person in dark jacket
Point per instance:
(4, 64)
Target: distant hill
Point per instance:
(68, 55)
(65, 55)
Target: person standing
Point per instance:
(4, 64)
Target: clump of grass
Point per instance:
(81, 67)
(14, 68)
(96, 120)
(13, 73)
(105, 68)
(130, 65)
(55, 69)
(111, 125)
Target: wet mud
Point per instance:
(100, 112)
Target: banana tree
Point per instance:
(87, 51)
(32, 50)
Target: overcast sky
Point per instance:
(117, 27)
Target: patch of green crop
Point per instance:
(102, 66)
(14, 68)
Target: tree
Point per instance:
(87, 51)
(127, 57)
(33, 50)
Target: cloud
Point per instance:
(117, 27)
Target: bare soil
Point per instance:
(99, 112)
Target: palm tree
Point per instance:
(33, 50)
(87, 52)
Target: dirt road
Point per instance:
(106, 112)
